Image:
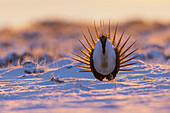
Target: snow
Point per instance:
(145, 90)
(81, 92)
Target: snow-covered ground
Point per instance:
(145, 90)
(29, 87)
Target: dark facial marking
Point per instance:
(103, 41)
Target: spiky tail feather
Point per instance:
(122, 54)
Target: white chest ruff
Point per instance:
(104, 63)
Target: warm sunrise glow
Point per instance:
(84, 56)
(18, 12)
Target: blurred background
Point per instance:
(21, 12)
(46, 29)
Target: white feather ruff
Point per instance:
(104, 63)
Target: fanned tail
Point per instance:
(119, 48)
